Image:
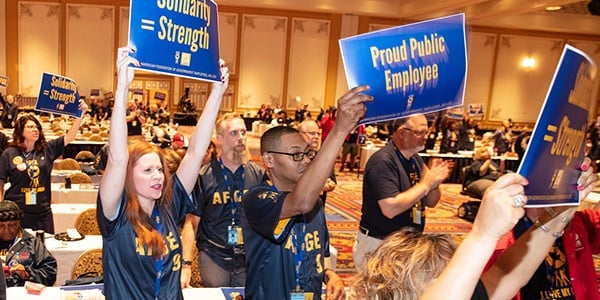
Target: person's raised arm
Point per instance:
(113, 180)
(192, 161)
(497, 215)
(351, 108)
(70, 136)
(516, 265)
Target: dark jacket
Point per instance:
(38, 261)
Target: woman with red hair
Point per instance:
(140, 203)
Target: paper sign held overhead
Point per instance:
(59, 95)
(415, 68)
(557, 144)
(179, 38)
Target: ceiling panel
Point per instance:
(514, 14)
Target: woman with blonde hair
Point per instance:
(404, 265)
(140, 204)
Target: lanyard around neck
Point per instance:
(231, 189)
(158, 264)
(298, 247)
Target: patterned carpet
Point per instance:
(343, 209)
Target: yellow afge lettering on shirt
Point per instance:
(170, 245)
(224, 197)
(311, 241)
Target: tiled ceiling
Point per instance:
(514, 14)
(577, 8)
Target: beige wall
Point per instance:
(275, 56)
(3, 43)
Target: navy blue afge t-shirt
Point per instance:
(129, 269)
(270, 244)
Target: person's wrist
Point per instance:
(327, 273)
(186, 263)
(553, 222)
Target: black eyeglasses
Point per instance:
(298, 156)
(417, 133)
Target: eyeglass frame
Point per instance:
(416, 133)
(311, 133)
(302, 154)
(238, 132)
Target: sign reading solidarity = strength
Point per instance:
(59, 95)
(415, 68)
(556, 148)
(176, 37)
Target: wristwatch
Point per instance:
(186, 262)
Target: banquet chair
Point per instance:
(88, 264)
(86, 223)
(95, 138)
(79, 178)
(68, 164)
(85, 156)
(196, 278)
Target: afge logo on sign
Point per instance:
(3, 81)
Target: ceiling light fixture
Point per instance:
(553, 8)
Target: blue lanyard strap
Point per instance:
(231, 189)
(158, 264)
(29, 164)
(410, 166)
(298, 247)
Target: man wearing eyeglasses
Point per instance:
(287, 238)
(397, 186)
(216, 225)
(311, 133)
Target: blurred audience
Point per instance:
(25, 256)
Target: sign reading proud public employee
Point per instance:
(176, 37)
(59, 95)
(415, 68)
(556, 148)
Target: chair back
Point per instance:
(196, 277)
(79, 178)
(85, 156)
(95, 138)
(88, 264)
(86, 223)
(68, 164)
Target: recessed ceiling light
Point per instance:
(554, 8)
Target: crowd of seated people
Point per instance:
(408, 273)
(482, 173)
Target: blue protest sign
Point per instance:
(476, 109)
(59, 95)
(179, 38)
(3, 81)
(415, 68)
(232, 293)
(455, 113)
(160, 96)
(557, 144)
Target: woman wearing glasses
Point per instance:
(27, 165)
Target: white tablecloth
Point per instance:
(65, 214)
(76, 194)
(67, 252)
(51, 293)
